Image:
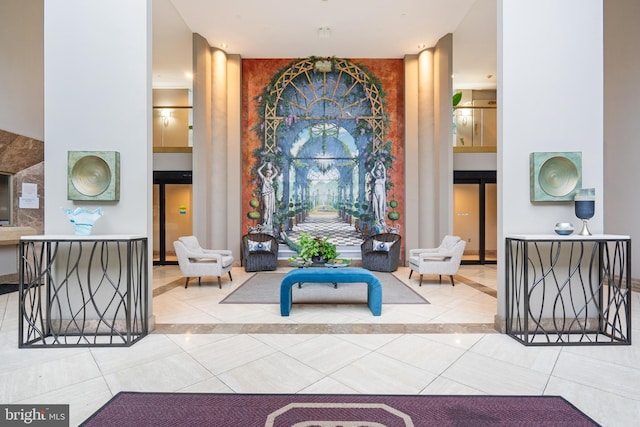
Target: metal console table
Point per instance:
(568, 290)
(83, 290)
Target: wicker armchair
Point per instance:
(381, 252)
(259, 252)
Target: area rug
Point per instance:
(6, 289)
(279, 410)
(264, 288)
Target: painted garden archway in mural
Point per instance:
(323, 153)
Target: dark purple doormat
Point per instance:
(247, 410)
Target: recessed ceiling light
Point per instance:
(224, 45)
(422, 46)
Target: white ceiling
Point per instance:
(358, 29)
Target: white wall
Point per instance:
(98, 97)
(172, 162)
(21, 65)
(474, 162)
(550, 96)
(621, 123)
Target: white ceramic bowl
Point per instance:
(563, 228)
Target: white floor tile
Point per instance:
(275, 373)
(379, 374)
(368, 341)
(283, 341)
(326, 353)
(444, 386)
(427, 355)
(328, 386)
(495, 377)
(601, 375)
(230, 353)
(210, 385)
(190, 342)
(607, 409)
(83, 398)
(504, 348)
(46, 376)
(166, 374)
(464, 341)
(603, 381)
(150, 348)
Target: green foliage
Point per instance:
(313, 246)
(457, 97)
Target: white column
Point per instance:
(550, 98)
(621, 124)
(426, 150)
(234, 154)
(443, 111)
(97, 96)
(202, 150)
(97, 73)
(411, 161)
(218, 171)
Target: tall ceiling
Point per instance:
(356, 29)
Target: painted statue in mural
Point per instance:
(268, 173)
(379, 196)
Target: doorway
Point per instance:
(475, 201)
(172, 213)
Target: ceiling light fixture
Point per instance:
(422, 46)
(224, 45)
(324, 32)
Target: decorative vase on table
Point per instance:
(584, 202)
(83, 219)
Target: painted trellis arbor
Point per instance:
(322, 127)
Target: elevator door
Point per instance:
(475, 215)
(172, 205)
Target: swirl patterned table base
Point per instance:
(83, 291)
(568, 290)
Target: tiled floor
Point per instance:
(202, 346)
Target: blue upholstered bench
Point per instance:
(331, 275)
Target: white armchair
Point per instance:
(194, 261)
(445, 259)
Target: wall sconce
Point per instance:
(324, 32)
(463, 114)
(166, 115)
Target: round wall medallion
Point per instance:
(558, 176)
(91, 175)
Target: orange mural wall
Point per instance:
(258, 73)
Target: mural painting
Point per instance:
(323, 147)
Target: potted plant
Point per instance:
(316, 248)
